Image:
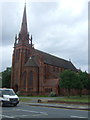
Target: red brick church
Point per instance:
(35, 72)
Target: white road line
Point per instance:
(7, 116)
(31, 111)
(39, 114)
(24, 115)
(77, 117)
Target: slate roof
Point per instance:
(56, 61)
(51, 60)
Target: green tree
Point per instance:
(68, 80)
(82, 82)
(6, 78)
(88, 84)
(86, 80)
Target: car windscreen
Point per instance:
(7, 92)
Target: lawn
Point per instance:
(83, 99)
(25, 99)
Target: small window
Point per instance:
(24, 79)
(45, 72)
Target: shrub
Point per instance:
(52, 94)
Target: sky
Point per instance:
(58, 27)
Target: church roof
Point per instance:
(51, 60)
(56, 61)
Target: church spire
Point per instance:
(23, 37)
(24, 22)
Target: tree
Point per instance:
(6, 78)
(88, 84)
(82, 81)
(68, 80)
(86, 80)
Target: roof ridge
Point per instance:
(53, 55)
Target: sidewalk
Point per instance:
(66, 106)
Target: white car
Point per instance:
(8, 97)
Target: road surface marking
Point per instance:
(23, 115)
(31, 111)
(78, 117)
(7, 116)
(39, 114)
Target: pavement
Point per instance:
(42, 103)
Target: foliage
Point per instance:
(70, 79)
(52, 94)
(6, 78)
(86, 80)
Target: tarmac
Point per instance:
(66, 106)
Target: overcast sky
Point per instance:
(59, 28)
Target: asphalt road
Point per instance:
(27, 111)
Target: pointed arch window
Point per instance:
(31, 78)
(45, 72)
(24, 79)
(17, 55)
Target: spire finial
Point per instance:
(25, 2)
(24, 21)
(31, 36)
(31, 40)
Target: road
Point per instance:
(27, 111)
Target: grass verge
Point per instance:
(83, 99)
(78, 99)
(25, 99)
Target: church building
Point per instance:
(35, 72)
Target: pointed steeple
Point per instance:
(23, 36)
(24, 22)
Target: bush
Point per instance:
(52, 94)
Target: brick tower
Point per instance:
(22, 50)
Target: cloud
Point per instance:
(59, 28)
(6, 57)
